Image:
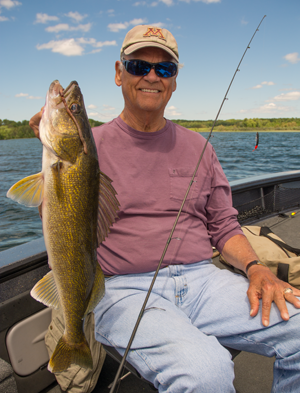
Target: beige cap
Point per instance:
(143, 36)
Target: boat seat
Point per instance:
(114, 354)
(7, 380)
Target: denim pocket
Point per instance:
(179, 181)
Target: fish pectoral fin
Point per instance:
(107, 207)
(28, 191)
(98, 290)
(45, 291)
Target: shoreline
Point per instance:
(206, 130)
(255, 131)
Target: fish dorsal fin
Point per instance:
(45, 291)
(107, 207)
(28, 191)
(97, 291)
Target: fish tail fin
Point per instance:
(66, 354)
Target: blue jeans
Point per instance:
(192, 310)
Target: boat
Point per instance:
(268, 200)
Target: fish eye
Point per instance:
(75, 108)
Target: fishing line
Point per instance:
(175, 223)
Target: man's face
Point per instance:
(148, 93)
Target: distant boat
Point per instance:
(256, 141)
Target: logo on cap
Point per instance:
(152, 31)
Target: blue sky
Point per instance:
(80, 40)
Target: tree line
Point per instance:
(10, 129)
(244, 125)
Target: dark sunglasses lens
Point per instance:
(137, 67)
(166, 69)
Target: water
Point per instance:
(276, 152)
(18, 224)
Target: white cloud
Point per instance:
(66, 27)
(102, 116)
(74, 47)
(167, 2)
(203, 1)
(136, 21)
(27, 96)
(108, 108)
(105, 115)
(271, 108)
(244, 22)
(44, 18)
(35, 98)
(291, 96)
(171, 111)
(263, 83)
(158, 24)
(116, 27)
(268, 83)
(76, 16)
(92, 106)
(292, 57)
(8, 4)
(68, 47)
(268, 109)
(141, 3)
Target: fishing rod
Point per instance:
(116, 380)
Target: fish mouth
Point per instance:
(56, 99)
(57, 91)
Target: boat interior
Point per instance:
(268, 200)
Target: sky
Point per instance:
(41, 41)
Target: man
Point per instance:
(194, 307)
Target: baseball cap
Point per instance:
(143, 36)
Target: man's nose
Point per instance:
(151, 76)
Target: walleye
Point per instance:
(79, 205)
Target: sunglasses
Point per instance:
(164, 69)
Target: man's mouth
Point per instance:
(149, 91)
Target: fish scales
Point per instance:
(77, 200)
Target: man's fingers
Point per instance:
(280, 302)
(253, 297)
(267, 298)
(291, 296)
(35, 121)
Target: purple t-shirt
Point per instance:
(151, 173)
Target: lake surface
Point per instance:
(277, 152)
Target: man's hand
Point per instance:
(263, 284)
(35, 121)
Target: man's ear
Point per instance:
(118, 76)
(174, 84)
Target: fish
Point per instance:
(78, 206)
